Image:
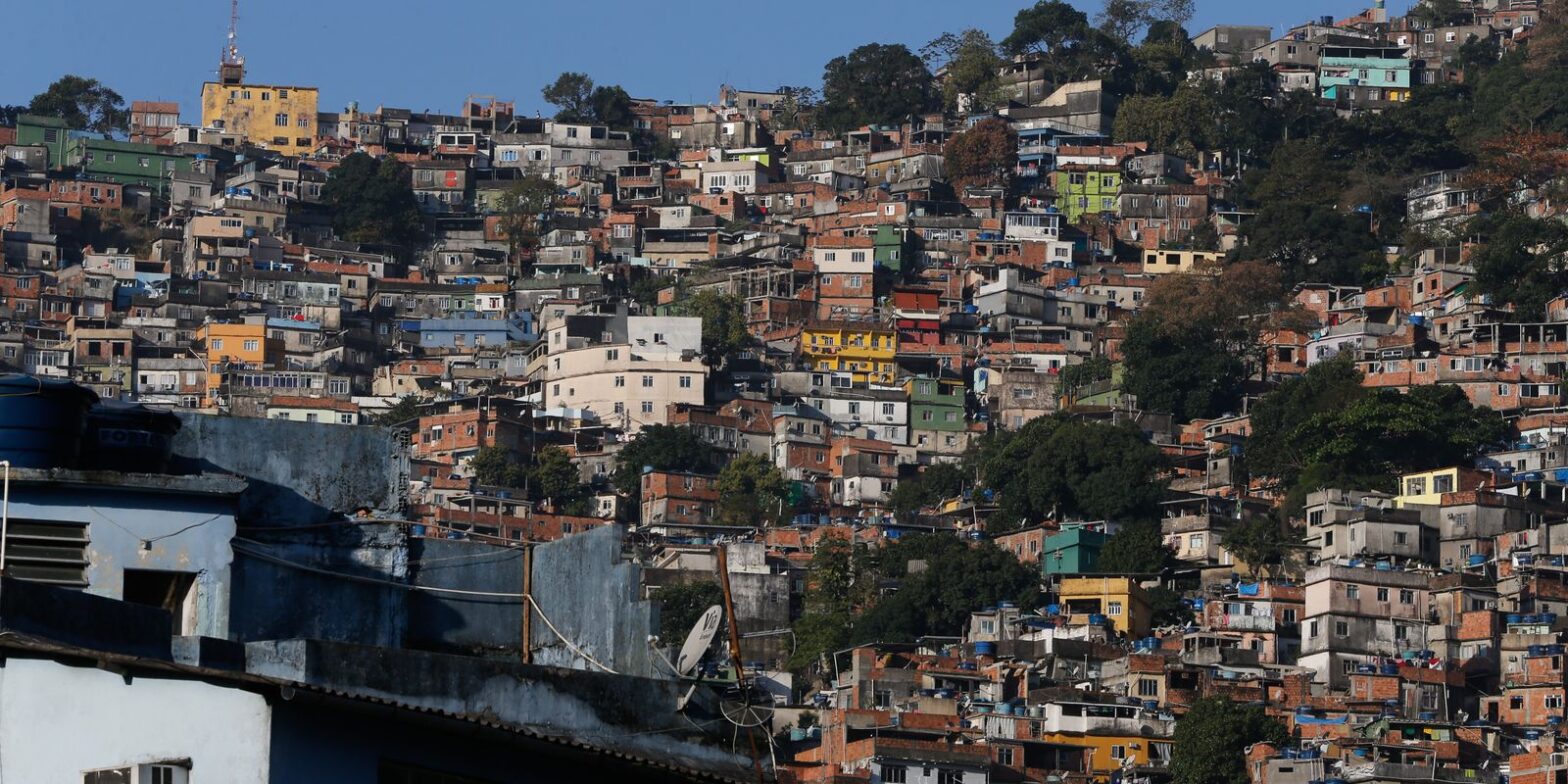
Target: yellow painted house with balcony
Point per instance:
(1427, 487)
(1111, 752)
(863, 351)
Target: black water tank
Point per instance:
(129, 437)
(41, 420)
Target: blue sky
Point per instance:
(429, 55)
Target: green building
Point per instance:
(1074, 550)
(49, 132)
(1087, 190)
(936, 412)
(890, 246)
(126, 163)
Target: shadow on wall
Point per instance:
(301, 473)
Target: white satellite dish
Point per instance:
(698, 641)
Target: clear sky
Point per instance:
(424, 55)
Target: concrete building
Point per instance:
(626, 370)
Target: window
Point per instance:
(1118, 752)
(1352, 592)
(217, 344)
(114, 776)
(647, 406)
(620, 381)
(895, 774)
(47, 552)
(1196, 542)
(685, 382)
(1341, 629)
(1004, 755)
(1312, 629)
(252, 345)
(1113, 608)
(1148, 687)
(647, 382)
(949, 777)
(1407, 596)
(281, 119)
(1382, 594)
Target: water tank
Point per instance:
(129, 437)
(797, 734)
(41, 421)
(1513, 618)
(985, 649)
(1006, 709)
(1096, 619)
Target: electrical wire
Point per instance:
(149, 540)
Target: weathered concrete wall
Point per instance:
(186, 523)
(274, 601)
(301, 473)
(591, 594)
(447, 621)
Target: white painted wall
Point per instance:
(57, 721)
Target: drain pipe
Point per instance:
(5, 512)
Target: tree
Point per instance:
(1528, 164)
(494, 466)
(371, 201)
(406, 408)
(1068, 48)
(1061, 468)
(523, 212)
(934, 483)
(662, 448)
(938, 599)
(1211, 740)
(1368, 443)
(1272, 449)
(1521, 262)
(83, 103)
(723, 323)
(971, 66)
(1122, 19)
(1180, 369)
(612, 106)
(751, 491)
(985, 154)
(572, 95)
(1261, 543)
(1166, 608)
(1181, 123)
(1135, 549)
(839, 583)
(554, 477)
(876, 84)
(681, 605)
(1090, 371)
(1440, 13)
(796, 109)
(10, 113)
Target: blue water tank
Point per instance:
(1477, 559)
(41, 421)
(797, 734)
(985, 649)
(1004, 708)
(1514, 618)
(129, 437)
(1096, 619)
(1417, 319)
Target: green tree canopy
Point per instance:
(371, 201)
(1326, 387)
(663, 448)
(1138, 548)
(972, 63)
(554, 477)
(934, 483)
(523, 212)
(1055, 466)
(1522, 262)
(839, 583)
(83, 103)
(1181, 369)
(496, 466)
(957, 579)
(681, 604)
(751, 491)
(406, 408)
(723, 317)
(876, 84)
(578, 100)
(1210, 743)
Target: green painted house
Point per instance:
(127, 163)
(1087, 190)
(1075, 550)
(50, 132)
(936, 412)
(890, 246)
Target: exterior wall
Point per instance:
(585, 378)
(251, 110)
(109, 720)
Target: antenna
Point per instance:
(231, 53)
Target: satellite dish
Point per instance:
(699, 639)
(745, 705)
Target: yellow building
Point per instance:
(1427, 487)
(1161, 262)
(1120, 599)
(1110, 751)
(231, 346)
(863, 350)
(278, 117)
